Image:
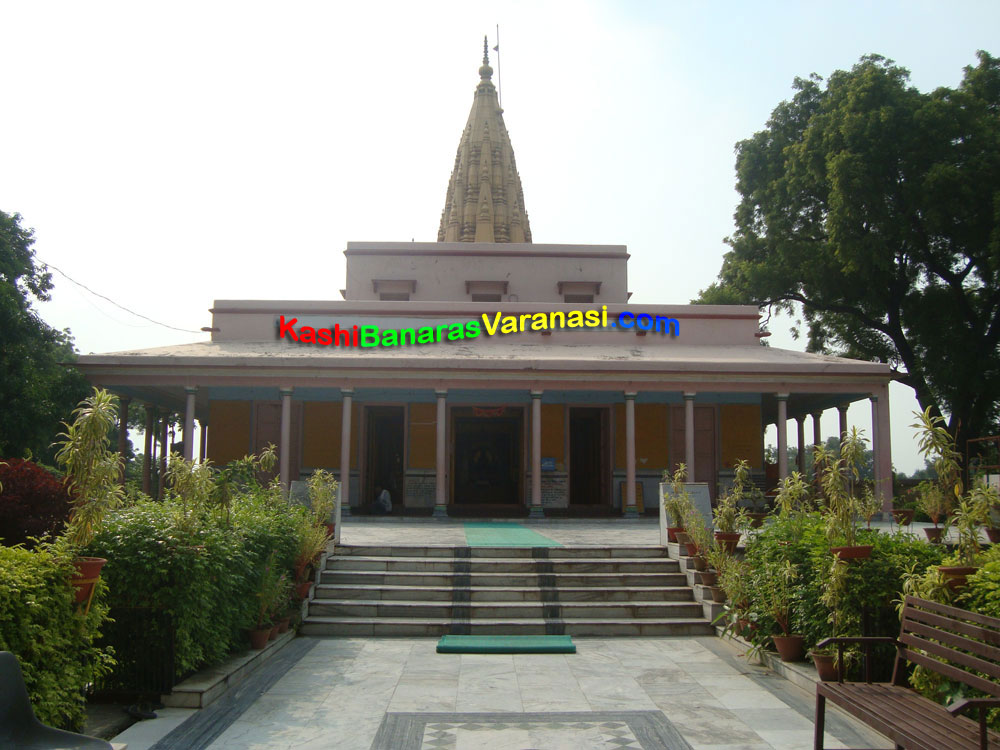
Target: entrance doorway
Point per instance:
(384, 455)
(588, 457)
(487, 455)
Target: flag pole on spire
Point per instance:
(499, 80)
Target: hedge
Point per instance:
(33, 502)
(53, 642)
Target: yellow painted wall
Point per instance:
(650, 436)
(553, 431)
(423, 436)
(742, 435)
(321, 434)
(228, 431)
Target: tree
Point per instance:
(877, 209)
(38, 386)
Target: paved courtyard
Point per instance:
(399, 694)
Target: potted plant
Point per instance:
(93, 476)
(322, 488)
(778, 592)
(971, 513)
(718, 559)
(675, 500)
(903, 512)
(734, 580)
(793, 501)
(699, 536)
(728, 516)
(272, 592)
(936, 505)
(312, 540)
(837, 479)
(990, 499)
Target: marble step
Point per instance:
(502, 593)
(477, 611)
(505, 552)
(501, 565)
(447, 578)
(435, 627)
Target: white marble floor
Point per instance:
(338, 695)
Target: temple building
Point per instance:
(421, 380)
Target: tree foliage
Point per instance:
(877, 208)
(37, 388)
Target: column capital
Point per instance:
(124, 400)
(441, 392)
(689, 395)
(630, 395)
(816, 414)
(801, 418)
(843, 407)
(347, 392)
(873, 397)
(536, 394)
(781, 396)
(286, 391)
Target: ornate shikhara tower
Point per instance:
(485, 202)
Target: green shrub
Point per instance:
(191, 563)
(54, 643)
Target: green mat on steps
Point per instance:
(506, 644)
(502, 534)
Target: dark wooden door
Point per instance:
(587, 464)
(384, 454)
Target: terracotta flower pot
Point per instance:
(934, 534)
(728, 540)
(718, 594)
(757, 519)
(672, 532)
(903, 516)
(273, 633)
(88, 570)
(993, 534)
(330, 528)
(826, 666)
(707, 577)
(302, 589)
(957, 575)
(700, 563)
(856, 552)
(259, 638)
(790, 647)
(283, 624)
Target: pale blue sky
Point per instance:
(170, 154)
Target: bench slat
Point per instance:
(959, 642)
(952, 626)
(953, 612)
(952, 673)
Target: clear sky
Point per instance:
(171, 154)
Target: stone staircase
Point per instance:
(433, 591)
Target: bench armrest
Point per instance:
(968, 703)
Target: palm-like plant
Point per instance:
(93, 471)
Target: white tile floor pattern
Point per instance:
(338, 695)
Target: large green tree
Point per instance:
(876, 207)
(38, 389)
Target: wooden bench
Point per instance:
(959, 645)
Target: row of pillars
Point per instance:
(157, 436)
(882, 463)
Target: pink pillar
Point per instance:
(536, 456)
(842, 427)
(782, 435)
(164, 449)
(190, 392)
(285, 449)
(689, 435)
(441, 456)
(147, 457)
(345, 450)
(882, 447)
(123, 432)
(630, 509)
(800, 459)
(203, 448)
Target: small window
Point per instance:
(486, 290)
(394, 296)
(485, 297)
(578, 298)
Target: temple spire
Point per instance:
(484, 202)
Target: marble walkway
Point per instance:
(614, 694)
